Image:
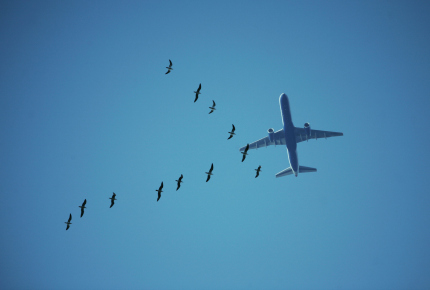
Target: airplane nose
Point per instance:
(283, 98)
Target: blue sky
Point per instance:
(86, 109)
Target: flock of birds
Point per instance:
(179, 180)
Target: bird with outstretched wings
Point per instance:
(169, 68)
(179, 182)
(83, 207)
(198, 92)
(232, 132)
(159, 190)
(245, 152)
(210, 172)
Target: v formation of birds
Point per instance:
(179, 180)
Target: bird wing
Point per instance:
(197, 96)
(179, 185)
(170, 63)
(159, 196)
(247, 147)
(82, 211)
(258, 173)
(231, 136)
(200, 86)
(209, 177)
(243, 158)
(68, 226)
(167, 72)
(214, 103)
(70, 218)
(85, 201)
(212, 167)
(233, 128)
(161, 186)
(112, 202)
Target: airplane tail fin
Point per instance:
(289, 171)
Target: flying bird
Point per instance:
(179, 182)
(68, 222)
(245, 152)
(198, 92)
(112, 199)
(159, 191)
(83, 207)
(169, 67)
(258, 171)
(212, 108)
(232, 132)
(210, 172)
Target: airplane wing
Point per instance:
(279, 139)
(315, 134)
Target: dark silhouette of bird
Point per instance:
(210, 172)
(232, 132)
(258, 171)
(83, 207)
(212, 108)
(179, 182)
(198, 92)
(169, 67)
(68, 222)
(245, 152)
(159, 191)
(112, 200)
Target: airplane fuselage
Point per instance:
(290, 136)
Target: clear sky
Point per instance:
(87, 110)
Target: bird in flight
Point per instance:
(198, 92)
(212, 108)
(68, 222)
(159, 191)
(210, 172)
(169, 67)
(112, 200)
(83, 207)
(179, 182)
(245, 152)
(232, 132)
(258, 171)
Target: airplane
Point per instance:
(290, 136)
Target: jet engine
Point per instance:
(308, 129)
(271, 134)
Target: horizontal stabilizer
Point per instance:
(285, 172)
(304, 169)
(289, 171)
